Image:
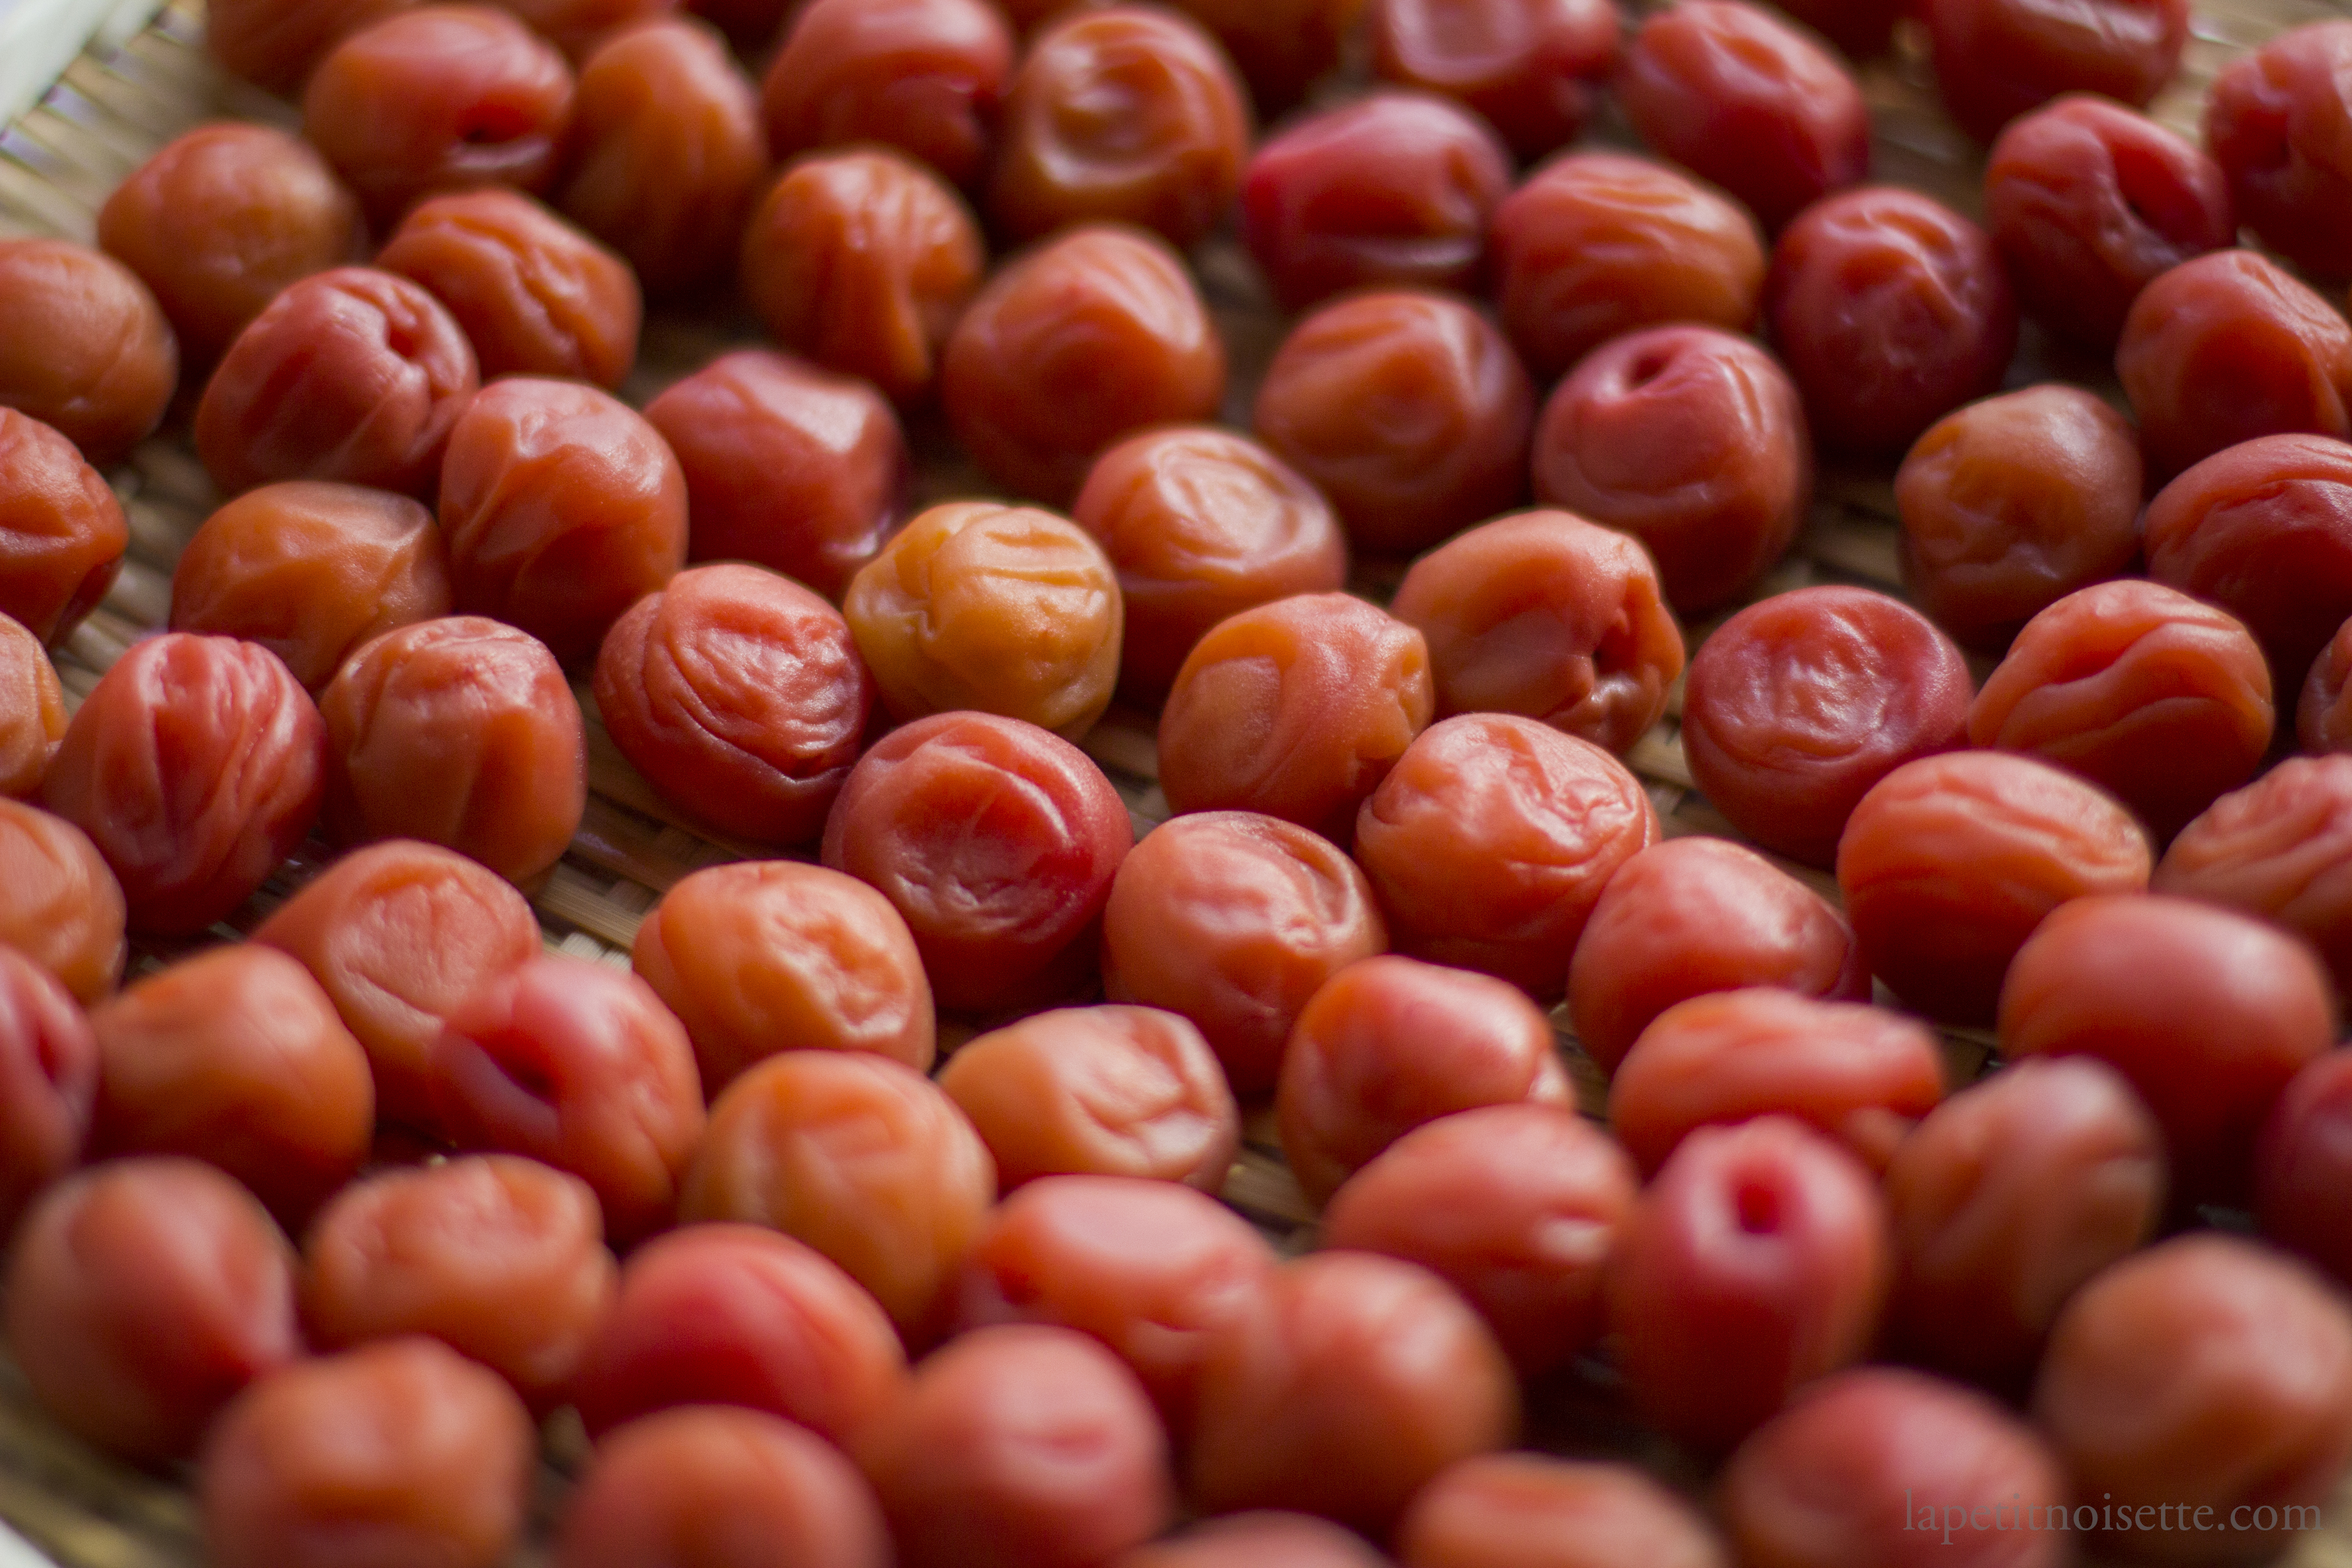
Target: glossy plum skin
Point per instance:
(62, 532)
(1201, 523)
(501, 1259)
(236, 1057)
(535, 295)
(787, 465)
(656, 1491)
(864, 260)
(1490, 842)
(582, 1067)
(2300, 1159)
(1798, 705)
(738, 1315)
(1500, 1508)
(996, 841)
(1692, 441)
(1390, 1044)
(1296, 709)
(1692, 916)
(1019, 1445)
(351, 375)
(1124, 114)
(561, 507)
(666, 153)
(1532, 68)
(2088, 203)
(1283, 46)
(1996, 59)
(196, 765)
(410, 754)
(2274, 121)
(1152, 1268)
(1407, 408)
(2279, 849)
(759, 956)
(2010, 504)
(1393, 190)
(1110, 1090)
(274, 43)
(394, 1453)
(32, 712)
(2225, 348)
(2161, 699)
(1516, 1206)
(440, 98)
(2005, 1199)
(48, 1081)
(1263, 1538)
(1747, 101)
(1235, 921)
(59, 903)
(141, 1295)
(220, 220)
(311, 570)
(1904, 1447)
(1596, 244)
(1950, 862)
(1756, 1262)
(1086, 339)
(866, 1160)
(84, 347)
(2205, 1370)
(1890, 309)
(923, 76)
(1354, 1379)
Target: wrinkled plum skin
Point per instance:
(141, 1295)
(1235, 921)
(1798, 705)
(274, 43)
(2088, 203)
(32, 712)
(995, 840)
(1263, 1538)
(59, 903)
(2206, 1370)
(738, 1315)
(2161, 699)
(2322, 718)
(441, 98)
(1070, 346)
(2263, 530)
(1391, 191)
(1747, 101)
(2007, 1197)
(924, 76)
(759, 956)
(2226, 348)
(1996, 59)
(462, 732)
(1595, 245)
(864, 261)
(1950, 862)
(1516, 1206)
(1490, 842)
(1532, 68)
(1696, 915)
(62, 532)
(1201, 523)
(1694, 442)
(1296, 709)
(1755, 1262)
(222, 218)
(1485, 1510)
(196, 765)
(351, 375)
(311, 570)
(48, 1081)
(1353, 1380)
(1111, 1090)
(84, 347)
(666, 153)
(2275, 120)
(1129, 115)
(1890, 309)
(1283, 46)
(2301, 1161)
(2011, 504)
(1409, 410)
(398, 1452)
(2280, 849)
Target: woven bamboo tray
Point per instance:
(116, 104)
